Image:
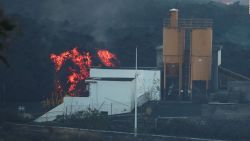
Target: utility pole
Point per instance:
(135, 124)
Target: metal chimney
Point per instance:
(174, 18)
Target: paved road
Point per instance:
(36, 128)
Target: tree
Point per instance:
(6, 26)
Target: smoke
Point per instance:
(99, 15)
(91, 17)
(94, 17)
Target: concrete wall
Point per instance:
(148, 81)
(119, 95)
(113, 97)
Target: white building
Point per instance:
(111, 91)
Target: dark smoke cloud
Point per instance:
(97, 14)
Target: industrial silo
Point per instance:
(201, 56)
(172, 55)
(187, 56)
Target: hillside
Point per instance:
(52, 27)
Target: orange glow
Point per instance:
(83, 61)
(107, 58)
(59, 59)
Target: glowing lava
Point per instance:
(59, 59)
(83, 61)
(107, 58)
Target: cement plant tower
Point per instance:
(187, 57)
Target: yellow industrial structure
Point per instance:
(187, 56)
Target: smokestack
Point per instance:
(174, 18)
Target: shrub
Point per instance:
(92, 119)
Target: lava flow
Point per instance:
(107, 58)
(83, 61)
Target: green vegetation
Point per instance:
(90, 119)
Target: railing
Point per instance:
(191, 23)
(233, 75)
(226, 75)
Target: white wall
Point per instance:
(115, 94)
(114, 97)
(148, 80)
(112, 73)
(121, 93)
